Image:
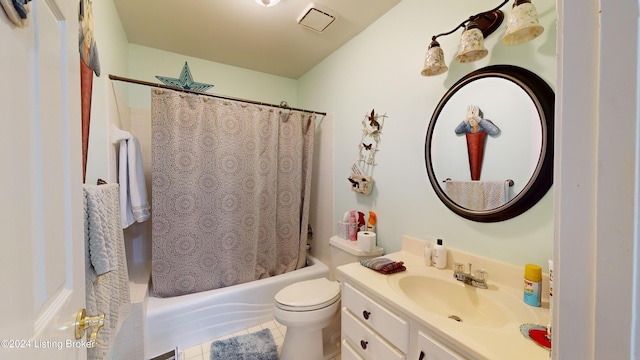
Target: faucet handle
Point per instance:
(458, 268)
(482, 275)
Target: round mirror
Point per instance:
(489, 146)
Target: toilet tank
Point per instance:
(345, 252)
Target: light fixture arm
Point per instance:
(473, 18)
(433, 38)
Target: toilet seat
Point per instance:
(308, 295)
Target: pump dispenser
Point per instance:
(439, 255)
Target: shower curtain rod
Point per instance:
(141, 82)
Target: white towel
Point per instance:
(478, 195)
(467, 194)
(134, 205)
(103, 236)
(106, 292)
(496, 193)
(123, 179)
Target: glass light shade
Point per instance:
(267, 3)
(471, 46)
(522, 24)
(434, 61)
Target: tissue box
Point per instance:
(343, 230)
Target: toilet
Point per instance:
(311, 309)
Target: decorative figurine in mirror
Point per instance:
(362, 170)
(475, 127)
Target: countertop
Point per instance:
(494, 343)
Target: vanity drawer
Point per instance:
(360, 336)
(348, 353)
(434, 350)
(392, 327)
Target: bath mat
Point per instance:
(255, 346)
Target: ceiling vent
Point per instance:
(317, 18)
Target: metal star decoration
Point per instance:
(185, 81)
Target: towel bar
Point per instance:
(511, 183)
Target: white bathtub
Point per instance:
(188, 320)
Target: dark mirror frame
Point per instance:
(543, 98)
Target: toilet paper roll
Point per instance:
(366, 241)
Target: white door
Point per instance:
(41, 201)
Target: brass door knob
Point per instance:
(83, 322)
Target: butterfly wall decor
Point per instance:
(372, 124)
(372, 120)
(371, 137)
(362, 184)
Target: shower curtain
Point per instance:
(230, 192)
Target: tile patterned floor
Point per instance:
(203, 351)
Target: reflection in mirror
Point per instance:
(489, 145)
(511, 154)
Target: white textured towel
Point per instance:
(134, 205)
(496, 193)
(101, 210)
(478, 195)
(467, 194)
(106, 273)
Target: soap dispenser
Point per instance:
(439, 255)
(427, 253)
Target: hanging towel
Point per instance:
(478, 195)
(467, 194)
(102, 244)
(496, 193)
(134, 205)
(126, 214)
(106, 273)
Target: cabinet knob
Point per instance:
(363, 344)
(421, 355)
(366, 314)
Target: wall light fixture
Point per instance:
(522, 26)
(267, 3)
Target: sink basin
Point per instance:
(460, 302)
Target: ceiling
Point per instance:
(242, 33)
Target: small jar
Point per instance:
(532, 284)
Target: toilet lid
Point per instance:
(308, 295)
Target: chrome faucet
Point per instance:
(479, 279)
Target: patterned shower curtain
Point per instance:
(231, 185)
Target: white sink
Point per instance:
(438, 292)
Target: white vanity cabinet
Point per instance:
(372, 330)
(431, 349)
(406, 315)
(348, 352)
